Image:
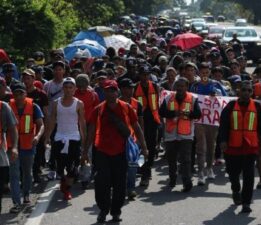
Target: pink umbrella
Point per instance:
(186, 41)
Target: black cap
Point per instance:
(8, 67)
(130, 62)
(214, 55)
(38, 69)
(145, 69)
(126, 82)
(59, 63)
(187, 54)
(101, 73)
(18, 87)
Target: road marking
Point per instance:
(42, 204)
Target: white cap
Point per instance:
(69, 80)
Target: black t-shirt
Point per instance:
(39, 97)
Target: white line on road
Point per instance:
(42, 204)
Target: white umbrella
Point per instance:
(118, 41)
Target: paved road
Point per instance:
(208, 205)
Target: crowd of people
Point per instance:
(87, 108)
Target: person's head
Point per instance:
(100, 77)
(242, 62)
(82, 82)
(217, 73)
(127, 87)
(111, 91)
(69, 87)
(144, 73)
(39, 58)
(234, 35)
(171, 74)
(173, 49)
(163, 61)
(230, 54)
(8, 71)
(215, 58)
(120, 70)
(75, 72)
(56, 55)
(58, 70)
(190, 71)
(234, 67)
(245, 91)
(111, 52)
(204, 71)
(154, 52)
(19, 93)
(181, 86)
(39, 71)
(131, 64)
(28, 78)
(133, 50)
(2, 86)
(30, 62)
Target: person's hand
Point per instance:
(14, 154)
(145, 152)
(35, 140)
(223, 146)
(47, 141)
(84, 157)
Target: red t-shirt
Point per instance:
(245, 149)
(111, 141)
(90, 100)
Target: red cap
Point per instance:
(110, 84)
(121, 51)
(38, 84)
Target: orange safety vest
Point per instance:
(257, 90)
(134, 104)
(243, 127)
(153, 100)
(182, 123)
(124, 106)
(25, 125)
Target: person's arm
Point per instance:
(196, 113)
(82, 123)
(38, 120)
(165, 113)
(51, 122)
(139, 134)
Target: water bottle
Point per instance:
(47, 153)
(141, 161)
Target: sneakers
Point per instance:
(258, 186)
(67, 195)
(116, 218)
(237, 198)
(101, 217)
(27, 200)
(187, 187)
(210, 174)
(201, 179)
(144, 182)
(16, 208)
(51, 175)
(246, 208)
(132, 195)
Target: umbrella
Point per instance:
(187, 41)
(88, 47)
(118, 41)
(102, 30)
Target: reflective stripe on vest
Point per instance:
(152, 101)
(25, 124)
(243, 127)
(183, 125)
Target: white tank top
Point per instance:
(67, 121)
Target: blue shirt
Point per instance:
(208, 89)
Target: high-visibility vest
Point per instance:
(25, 125)
(125, 109)
(182, 123)
(134, 104)
(152, 100)
(257, 89)
(243, 127)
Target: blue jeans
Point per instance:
(131, 178)
(26, 164)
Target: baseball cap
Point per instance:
(8, 67)
(110, 84)
(18, 87)
(126, 82)
(69, 80)
(163, 58)
(101, 74)
(214, 55)
(29, 72)
(131, 62)
(144, 69)
(59, 63)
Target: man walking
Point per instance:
(180, 109)
(240, 132)
(110, 125)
